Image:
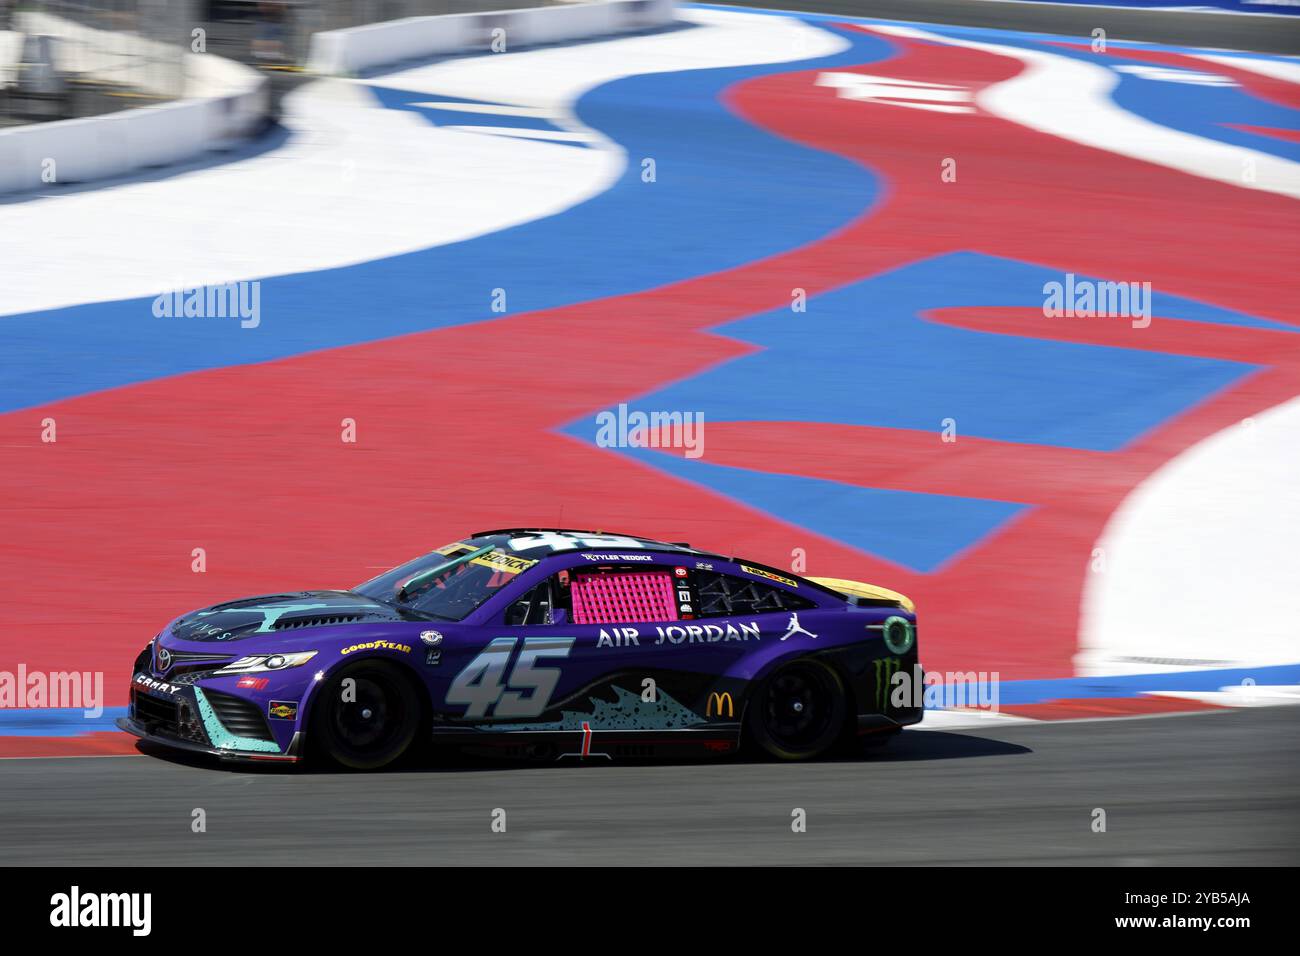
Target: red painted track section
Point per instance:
(110, 743)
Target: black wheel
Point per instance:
(797, 712)
(369, 724)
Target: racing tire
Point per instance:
(798, 711)
(372, 730)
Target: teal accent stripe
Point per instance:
(223, 739)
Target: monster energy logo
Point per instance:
(886, 668)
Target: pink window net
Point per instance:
(623, 598)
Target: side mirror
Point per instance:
(559, 615)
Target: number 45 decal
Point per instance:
(479, 685)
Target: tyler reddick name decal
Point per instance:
(679, 634)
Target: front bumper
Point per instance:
(177, 743)
(182, 716)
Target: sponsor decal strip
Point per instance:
(282, 709)
(498, 561)
(760, 573)
(627, 636)
(718, 703)
(377, 646)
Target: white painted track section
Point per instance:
(942, 720)
(1274, 69)
(554, 78)
(356, 182)
(557, 77)
(1203, 559)
(1070, 99)
(1243, 695)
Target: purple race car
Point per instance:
(539, 644)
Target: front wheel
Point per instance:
(797, 712)
(367, 723)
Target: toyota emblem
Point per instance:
(164, 660)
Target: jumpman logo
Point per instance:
(794, 628)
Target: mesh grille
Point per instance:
(623, 598)
(156, 713)
(186, 662)
(241, 717)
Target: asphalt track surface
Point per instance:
(1260, 33)
(1217, 788)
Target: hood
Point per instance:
(279, 614)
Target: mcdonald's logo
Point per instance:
(716, 704)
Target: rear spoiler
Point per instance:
(870, 595)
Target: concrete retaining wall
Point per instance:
(346, 52)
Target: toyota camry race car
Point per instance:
(540, 644)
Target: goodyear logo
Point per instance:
(759, 572)
(717, 703)
(377, 646)
(500, 561)
(886, 668)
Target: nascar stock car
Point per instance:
(539, 644)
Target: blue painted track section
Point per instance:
(871, 333)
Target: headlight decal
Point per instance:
(260, 663)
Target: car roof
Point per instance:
(642, 542)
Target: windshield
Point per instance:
(448, 583)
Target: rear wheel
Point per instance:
(797, 712)
(368, 723)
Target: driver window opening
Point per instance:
(602, 596)
(535, 607)
(623, 597)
